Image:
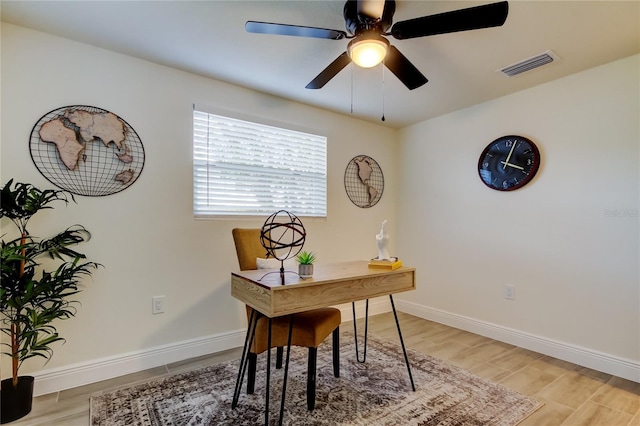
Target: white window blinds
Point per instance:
(243, 168)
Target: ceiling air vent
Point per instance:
(530, 63)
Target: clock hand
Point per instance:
(511, 165)
(509, 156)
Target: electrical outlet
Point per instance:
(509, 292)
(157, 305)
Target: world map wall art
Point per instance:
(363, 181)
(86, 150)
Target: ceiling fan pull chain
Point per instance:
(351, 88)
(383, 92)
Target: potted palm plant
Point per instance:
(305, 263)
(33, 296)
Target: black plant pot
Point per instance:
(15, 403)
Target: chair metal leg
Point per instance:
(251, 373)
(404, 351)
(336, 352)
(311, 378)
(355, 331)
(279, 351)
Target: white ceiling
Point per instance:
(208, 38)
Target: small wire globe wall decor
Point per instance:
(363, 181)
(283, 236)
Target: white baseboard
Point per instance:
(54, 380)
(607, 363)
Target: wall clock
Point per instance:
(86, 150)
(363, 181)
(509, 163)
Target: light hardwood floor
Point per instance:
(573, 395)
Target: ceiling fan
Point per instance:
(368, 23)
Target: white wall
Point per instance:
(575, 268)
(568, 241)
(145, 235)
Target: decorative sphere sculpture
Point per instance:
(282, 235)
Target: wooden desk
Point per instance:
(332, 284)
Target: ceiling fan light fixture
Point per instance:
(368, 52)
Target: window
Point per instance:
(247, 169)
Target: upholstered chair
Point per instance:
(310, 328)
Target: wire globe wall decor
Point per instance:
(283, 236)
(86, 150)
(364, 181)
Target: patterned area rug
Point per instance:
(377, 392)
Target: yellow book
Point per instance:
(393, 263)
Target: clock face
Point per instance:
(508, 163)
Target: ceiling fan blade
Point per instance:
(472, 18)
(329, 72)
(293, 30)
(406, 72)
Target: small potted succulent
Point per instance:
(305, 260)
